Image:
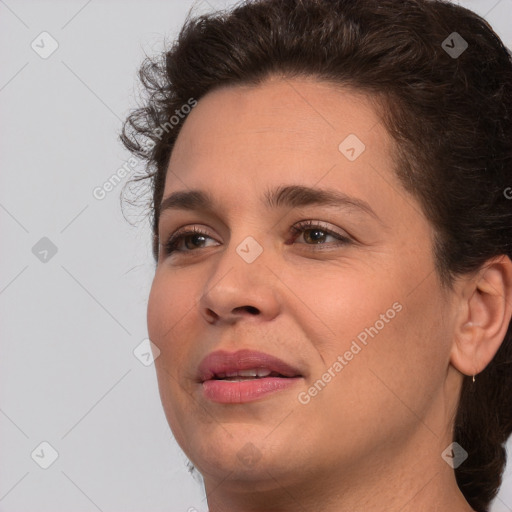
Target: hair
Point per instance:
(449, 117)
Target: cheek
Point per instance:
(402, 362)
(170, 301)
(396, 342)
(337, 304)
(169, 309)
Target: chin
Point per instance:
(241, 449)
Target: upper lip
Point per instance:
(222, 361)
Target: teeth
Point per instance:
(254, 372)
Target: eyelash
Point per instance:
(171, 245)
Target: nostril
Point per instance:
(212, 316)
(250, 309)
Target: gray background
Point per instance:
(70, 321)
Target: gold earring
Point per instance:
(473, 378)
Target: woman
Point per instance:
(332, 223)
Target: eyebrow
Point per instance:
(291, 196)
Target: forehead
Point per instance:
(303, 113)
(298, 131)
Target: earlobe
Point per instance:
(484, 316)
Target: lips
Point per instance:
(238, 365)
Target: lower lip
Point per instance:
(237, 392)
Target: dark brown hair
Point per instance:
(449, 114)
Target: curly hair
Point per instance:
(449, 115)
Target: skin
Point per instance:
(372, 438)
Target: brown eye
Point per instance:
(191, 239)
(317, 234)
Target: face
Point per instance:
(343, 291)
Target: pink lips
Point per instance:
(232, 391)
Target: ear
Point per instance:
(485, 312)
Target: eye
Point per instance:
(314, 233)
(192, 239)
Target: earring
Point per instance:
(473, 378)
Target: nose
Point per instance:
(236, 290)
